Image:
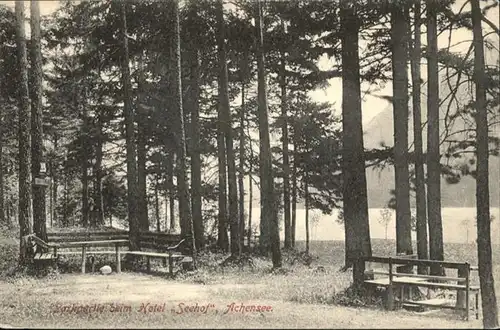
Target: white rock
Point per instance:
(105, 270)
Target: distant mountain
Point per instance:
(462, 194)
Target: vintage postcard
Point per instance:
(249, 164)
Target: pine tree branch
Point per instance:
(491, 25)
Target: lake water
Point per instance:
(458, 225)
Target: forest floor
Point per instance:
(40, 303)
(301, 296)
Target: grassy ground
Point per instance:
(299, 297)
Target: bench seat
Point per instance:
(423, 283)
(87, 252)
(152, 254)
(391, 276)
(436, 302)
(45, 256)
(385, 281)
(170, 257)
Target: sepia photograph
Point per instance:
(249, 164)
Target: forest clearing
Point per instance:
(301, 298)
(176, 158)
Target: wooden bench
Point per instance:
(168, 247)
(82, 246)
(168, 254)
(86, 245)
(393, 280)
(40, 249)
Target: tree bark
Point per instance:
(166, 199)
(132, 190)
(486, 280)
(65, 219)
(433, 155)
(222, 239)
(399, 36)
(224, 109)
(422, 243)
(84, 158)
(55, 183)
(286, 161)
(194, 106)
(250, 196)
(241, 170)
(24, 212)
(157, 204)
(142, 128)
(357, 229)
(171, 190)
(99, 173)
(306, 206)
(39, 215)
(294, 193)
(269, 214)
(3, 219)
(186, 220)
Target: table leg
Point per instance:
(84, 258)
(461, 294)
(149, 264)
(118, 259)
(170, 265)
(390, 298)
(402, 295)
(467, 298)
(477, 306)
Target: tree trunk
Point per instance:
(84, 160)
(99, 200)
(142, 203)
(286, 162)
(421, 203)
(51, 195)
(194, 106)
(250, 197)
(433, 155)
(157, 204)
(269, 214)
(165, 198)
(65, 219)
(3, 219)
(39, 215)
(306, 206)
(241, 170)
(24, 212)
(224, 109)
(186, 220)
(55, 183)
(132, 190)
(171, 190)
(357, 228)
(486, 280)
(399, 36)
(222, 239)
(294, 193)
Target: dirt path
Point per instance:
(139, 301)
